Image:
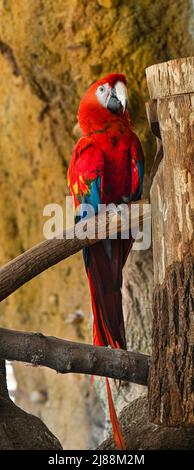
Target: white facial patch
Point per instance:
(122, 95)
(103, 93)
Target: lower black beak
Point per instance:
(114, 105)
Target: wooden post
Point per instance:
(171, 379)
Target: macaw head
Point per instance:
(105, 101)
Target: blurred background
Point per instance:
(50, 52)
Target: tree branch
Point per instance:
(67, 356)
(50, 252)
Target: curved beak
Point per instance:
(118, 98)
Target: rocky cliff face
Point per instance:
(50, 51)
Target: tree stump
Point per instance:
(171, 379)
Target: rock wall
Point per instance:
(50, 51)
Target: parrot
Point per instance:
(107, 166)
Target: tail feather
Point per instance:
(105, 280)
(118, 436)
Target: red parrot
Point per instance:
(107, 166)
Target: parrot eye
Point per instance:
(102, 94)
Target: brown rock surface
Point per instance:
(49, 53)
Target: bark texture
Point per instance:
(68, 356)
(138, 276)
(171, 390)
(140, 434)
(50, 51)
(20, 430)
(50, 252)
(171, 394)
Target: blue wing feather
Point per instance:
(140, 168)
(92, 198)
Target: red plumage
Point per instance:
(106, 167)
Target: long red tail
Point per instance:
(118, 436)
(105, 261)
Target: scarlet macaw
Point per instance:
(107, 166)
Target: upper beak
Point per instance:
(118, 98)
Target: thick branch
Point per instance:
(50, 252)
(67, 356)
